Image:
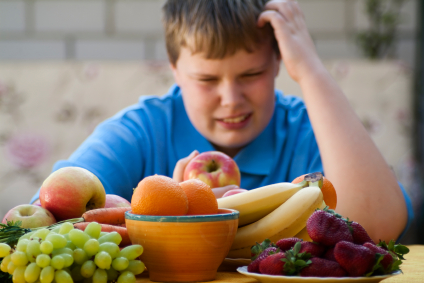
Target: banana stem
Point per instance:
(312, 180)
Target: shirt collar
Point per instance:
(255, 158)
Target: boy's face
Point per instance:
(229, 101)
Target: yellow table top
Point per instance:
(412, 267)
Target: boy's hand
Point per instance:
(181, 165)
(296, 46)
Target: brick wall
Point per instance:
(131, 29)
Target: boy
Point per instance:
(224, 56)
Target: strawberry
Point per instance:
(257, 249)
(360, 236)
(357, 260)
(273, 264)
(327, 229)
(329, 254)
(322, 268)
(254, 265)
(287, 243)
(314, 249)
(387, 259)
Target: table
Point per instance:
(412, 267)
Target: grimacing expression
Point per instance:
(229, 101)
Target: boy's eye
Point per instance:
(253, 74)
(207, 79)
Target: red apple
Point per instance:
(32, 216)
(233, 192)
(116, 201)
(71, 191)
(214, 168)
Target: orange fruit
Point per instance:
(201, 199)
(328, 191)
(159, 195)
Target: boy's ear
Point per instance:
(277, 65)
(174, 73)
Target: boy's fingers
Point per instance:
(181, 165)
(219, 192)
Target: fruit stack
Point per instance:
(65, 255)
(275, 211)
(340, 248)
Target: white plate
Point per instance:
(297, 279)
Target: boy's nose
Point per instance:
(231, 94)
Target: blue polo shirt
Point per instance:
(151, 136)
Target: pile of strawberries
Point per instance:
(340, 248)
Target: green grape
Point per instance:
(56, 230)
(100, 276)
(33, 247)
(76, 273)
(43, 260)
(58, 262)
(78, 238)
(103, 260)
(22, 245)
(46, 247)
(80, 256)
(32, 272)
(112, 237)
(42, 233)
(135, 266)
(33, 250)
(61, 276)
(33, 238)
(57, 240)
(19, 258)
(131, 252)
(47, 274)
(93, 229)
(91, 247)
(26, 236)
(67, 270)
(103, 233)
(120, 263)
(112, 274)
(110, 248)
(4, 250)
(63, 251)
(88, 268)
(11, 268)
(70, 245)
(65, 228)
(69, 260)
(126, 277)
(5, 262)
(19, 274)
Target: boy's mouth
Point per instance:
(235, 120)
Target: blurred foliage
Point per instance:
(384, 16)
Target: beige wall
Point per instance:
(131, 29)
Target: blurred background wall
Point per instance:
(66, 65)
(132, 30)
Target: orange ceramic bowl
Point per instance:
(183, 248)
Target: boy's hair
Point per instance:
(217, 28)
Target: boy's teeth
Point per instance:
(235, 120)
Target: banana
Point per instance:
(256, 204)
(303, 234)
(284, 222)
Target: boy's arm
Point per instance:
(367, 189)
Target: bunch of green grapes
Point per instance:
(66, 255)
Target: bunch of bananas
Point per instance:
(273, 212)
